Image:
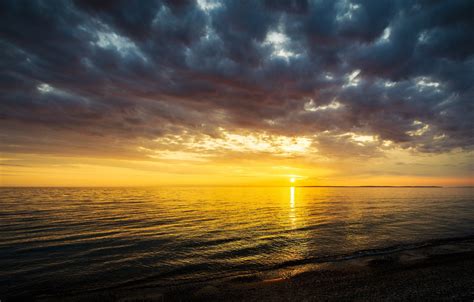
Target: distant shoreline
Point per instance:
(378, 187)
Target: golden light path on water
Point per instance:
(292, 208)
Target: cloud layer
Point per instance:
(352, 77)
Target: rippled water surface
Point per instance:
(75, 239)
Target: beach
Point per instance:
(440, 271)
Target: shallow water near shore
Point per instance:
(71, 240)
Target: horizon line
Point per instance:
(250, 186)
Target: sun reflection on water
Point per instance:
(292, 215)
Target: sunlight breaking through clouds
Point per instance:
(279, 43)
(311, 106)
(422, 129)
(121, 44)
(44, 88)
(208, 5)
(275, 145)
(352, 79)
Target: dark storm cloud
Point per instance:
(108, 71)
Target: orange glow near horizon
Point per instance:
(255, 170)
(245, 159)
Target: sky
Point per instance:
(118, 93)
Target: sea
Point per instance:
(67, 241)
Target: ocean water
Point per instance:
(71, 240)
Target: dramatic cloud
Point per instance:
(145, 78)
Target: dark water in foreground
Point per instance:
(55, 240)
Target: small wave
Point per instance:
(371, 252)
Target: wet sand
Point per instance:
(436, 272)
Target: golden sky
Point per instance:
(242, 159)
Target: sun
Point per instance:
(292, 179)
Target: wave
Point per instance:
(154, 280)
(372, 252)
